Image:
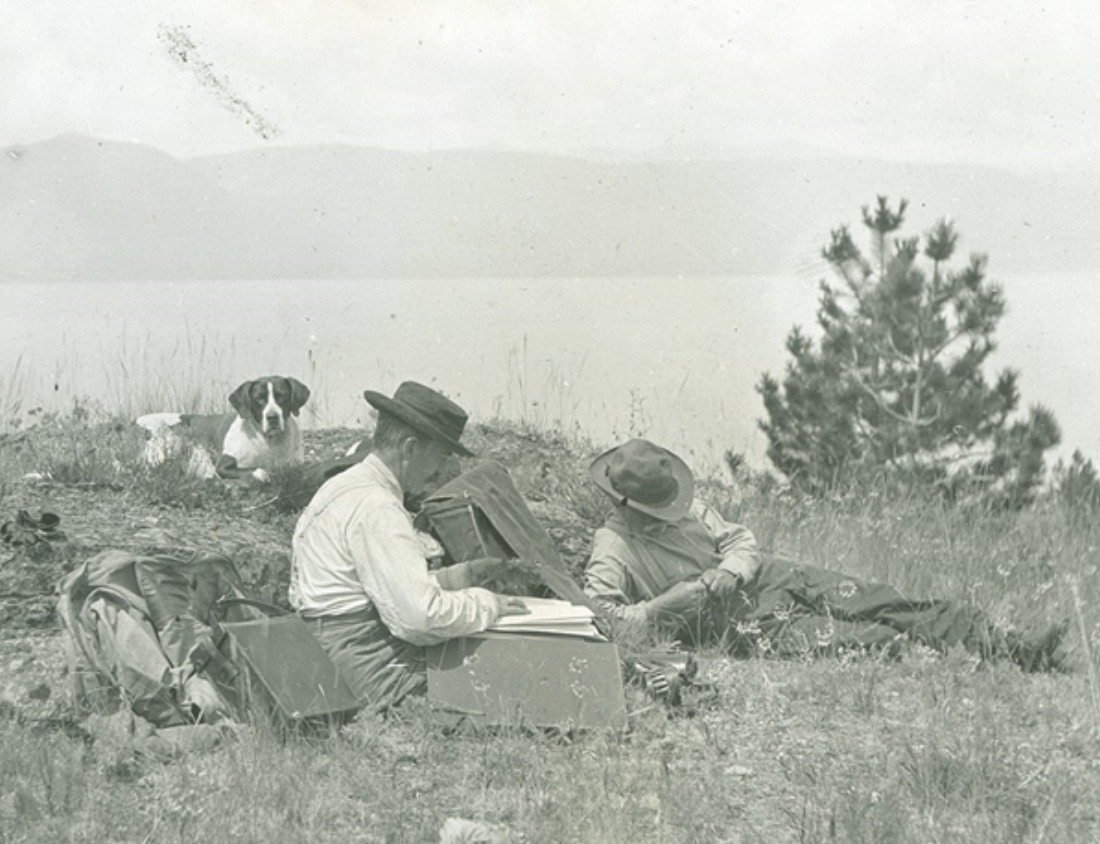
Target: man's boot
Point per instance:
(1039, 652)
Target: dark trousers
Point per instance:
(793, 609)
(381, 669)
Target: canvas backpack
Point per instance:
(482, 514)
(180, 642)
(131, 622)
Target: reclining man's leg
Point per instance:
(806, 635)
(876, 611)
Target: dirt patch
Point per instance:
(33, 679)
(94, 520)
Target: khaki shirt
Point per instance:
(626, 569)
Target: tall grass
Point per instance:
(189, 376)
(12, 390)
(926, 748)
(543, 396)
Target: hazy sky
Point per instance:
(1006, 82)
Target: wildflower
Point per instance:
(824, 635)
(847, 589)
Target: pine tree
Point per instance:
(1078, 485)
(895, 386)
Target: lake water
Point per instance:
(674, 359)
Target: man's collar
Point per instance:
(384, 473)
(651, 528)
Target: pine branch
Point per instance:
(951, 339)
(889, 411)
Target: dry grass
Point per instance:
(922, 749)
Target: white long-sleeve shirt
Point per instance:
(355, 547)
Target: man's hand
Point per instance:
(510, 605)
(721, 584)
(683, 601)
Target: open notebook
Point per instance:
(549, 615)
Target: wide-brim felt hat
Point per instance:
(645, 477)
(426, 411)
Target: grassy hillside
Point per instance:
(854, 749)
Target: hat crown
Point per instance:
(436, 407)
(427, 411)
(643, 472)
(646, 478)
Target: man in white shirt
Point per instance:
(358, 573)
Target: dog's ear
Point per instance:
(299, 395)
(239, 398)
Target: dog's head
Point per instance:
(269, 402)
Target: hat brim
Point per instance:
(674, 511)
(416, 420)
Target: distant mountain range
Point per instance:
(80, 208)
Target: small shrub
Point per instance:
(1077, 486)
(85, 447)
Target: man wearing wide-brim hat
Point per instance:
(665, 559)
(358, 573)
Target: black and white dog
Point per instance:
(261, 436)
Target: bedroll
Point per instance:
(174, 640)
